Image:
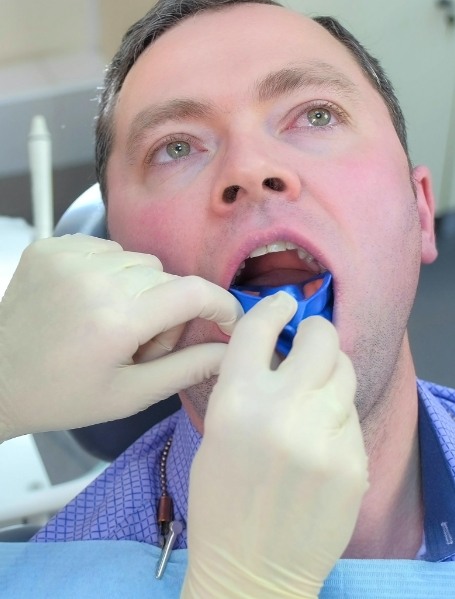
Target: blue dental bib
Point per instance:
(123, 569)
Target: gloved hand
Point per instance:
(277, 483)
(82, 324)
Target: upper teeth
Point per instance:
(282, 246)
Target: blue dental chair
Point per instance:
(108, 440)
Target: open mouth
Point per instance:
(288, 267)
(277, 264)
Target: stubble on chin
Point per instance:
(195, 399)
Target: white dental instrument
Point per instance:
(40, 160)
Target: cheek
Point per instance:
(376, 213)
(374, 192)
(168, 230)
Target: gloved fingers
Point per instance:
(348, 472)
(128, 262)
(313, 354)
(344, 382)
(110, 254)
(254, 339)
(331, 403)
(77, 253)
(159, 346)
(77, 242)
(141, 385)
(163, 307)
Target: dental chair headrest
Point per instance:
(85, 215)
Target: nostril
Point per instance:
(230, 194)
(274, 184)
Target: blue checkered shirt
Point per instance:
(122, 502)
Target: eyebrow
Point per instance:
(314, 74)
(284, 81)
(158, 114)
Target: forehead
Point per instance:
(224, 50)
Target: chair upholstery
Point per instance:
(19, 533)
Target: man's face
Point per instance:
(250, 126)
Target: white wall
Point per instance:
(52, 59)
(31, 29)
(115, 18)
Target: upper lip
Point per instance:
(257, 241)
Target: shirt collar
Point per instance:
(437, 457)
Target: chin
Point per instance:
(200, 331)
(195, 401)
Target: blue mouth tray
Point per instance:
(319, 303)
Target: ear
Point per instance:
(425, 205)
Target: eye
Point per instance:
(319, 117)
(319, 114)
(171, 149)
(178, 149)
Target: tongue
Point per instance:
(278, 277)
(275, 269)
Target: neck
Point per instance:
(390, 523)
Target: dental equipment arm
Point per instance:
(277, 483)
(86, 330)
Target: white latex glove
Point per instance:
(82, 324)
(277, 483)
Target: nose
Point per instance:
(251, 171)
(273, 183)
